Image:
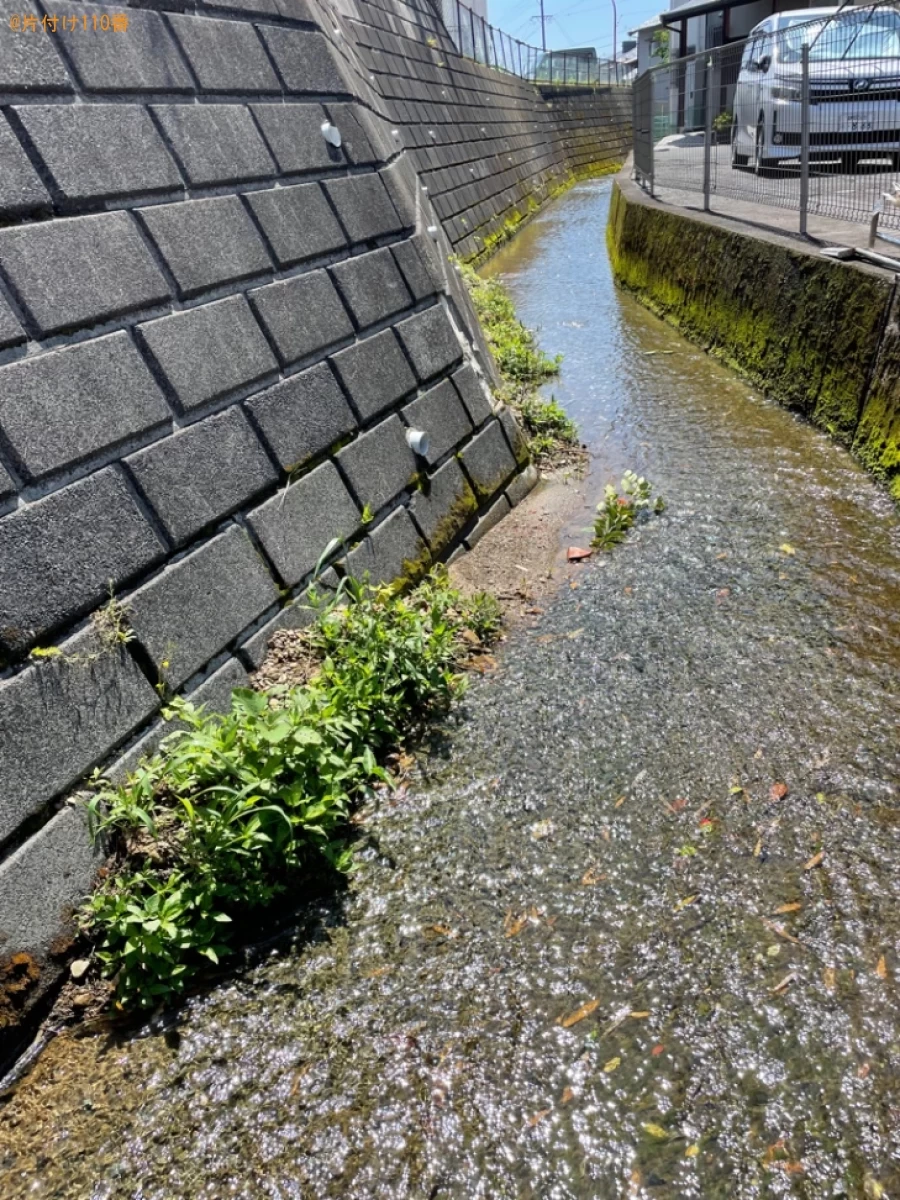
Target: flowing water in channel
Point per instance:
(593, 837)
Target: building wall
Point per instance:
(215, 329)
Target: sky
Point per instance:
(571, 22)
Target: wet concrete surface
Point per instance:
(633, 931)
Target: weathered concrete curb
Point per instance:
(818, 335)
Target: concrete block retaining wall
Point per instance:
(818, 335)
(215, 329)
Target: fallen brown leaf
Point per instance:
(612, 1065)
(784, 983)
(515, 926)
(881, 969)
(579, 1014)
(863, 1071)
(567, 1095)
(619, 802)
(576, 554)
(795, 906)
(781, 931)
(377, 972)
(757, 849)
(829, 978)
(657, 1050)
(678, 804)
(815, 861)
(469, 636)
(483, 663)
(591, 877)
(638, 1016)
(778, 791)
(539, 1116)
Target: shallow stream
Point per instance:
(595, 950)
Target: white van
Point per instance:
(854, 84)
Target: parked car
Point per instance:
(854, 87)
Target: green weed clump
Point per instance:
(238, 809)
(523, 366)
(619, 511)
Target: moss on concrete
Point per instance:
(804, 329)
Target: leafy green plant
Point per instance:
(483, 615)
(367, 516)
(619, 511)
(111, 621)
(237, 809)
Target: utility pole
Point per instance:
(543, 28)
(615, 41)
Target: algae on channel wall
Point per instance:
(807, 330)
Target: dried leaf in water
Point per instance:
(379, 971)
(735, 791)
(639, 1016)
(881, 969)
(579, 1014)
(574, 633)
(657, 1131)
(612, 1065)
(815, 861)
(791, 1168)
(619, 802)
(795, 906)
(542, 829)
(829, 978)
(576, 553)
(781, 931)
(773, 951)
(688, 900)
(657, 1050)
(483, 663)
(784, 983)
(515, 926)
(591, 877)
(567, 1095)
(539, 1116)
(692, 1151)
(757, 849)
(863, 1072)
(778, 791)
(786, 548)
(678, 804)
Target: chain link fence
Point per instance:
(475, 38)
(803, 114)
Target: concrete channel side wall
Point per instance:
(215, 328)
(818, 335)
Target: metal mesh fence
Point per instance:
(803, 114)
(476, 39)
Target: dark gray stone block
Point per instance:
(415, 272)
(41, 885)
(470, 389)
(372, 287)
(355, 140)
(143, 58)
(364, 207)
(440, 413)
(7, 484)
(379, 464)
(214, 693)
(294, 132)
(304, 61)
(206, 242)
(80, 271)
(444, 505)
(488, 461)
(430, 342)
(375, 373)
(208, 351)
(515, 435)
(303, 416)
(400, 181)
(190, 612)
(58, 556)
(493, 516)
(83, 148)
(21, 191)
(10, 329)
(63, 716)
(202, 473)
(254, 7)
(295, 526)
(226, 56)
(522, 485)
(298, 222)
(392, 551)
(29, 61)
(58, 409)
(215, 143)
(302, 315)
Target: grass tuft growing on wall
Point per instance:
(523, 366)
(239, 809)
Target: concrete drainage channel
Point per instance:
(631, 929)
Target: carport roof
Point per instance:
(696, 8)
